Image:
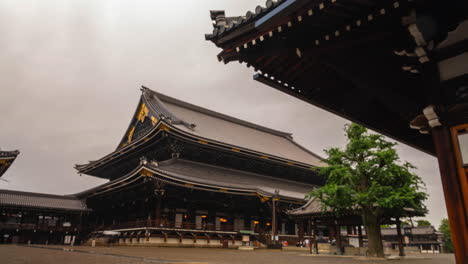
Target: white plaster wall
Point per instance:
(215, 242)
(187, 241)
(202, 241)
(173, 241)
(156, 240)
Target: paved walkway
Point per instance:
(135, 255)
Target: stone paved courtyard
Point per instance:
(10, 254)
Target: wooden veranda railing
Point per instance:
(39, 227)
(169, 225)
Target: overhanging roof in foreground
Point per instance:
(200, 176)
(6, 159)
(40, 201)
(377, 63)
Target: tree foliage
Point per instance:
(444, 228)
(423, 223)
(367, 176)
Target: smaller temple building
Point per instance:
(424, 239)
(34, 218)
(347, 233)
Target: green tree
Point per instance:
(368, 177)
(444, 228)
(423, 223)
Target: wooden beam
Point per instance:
(273, 219)
(398, 130)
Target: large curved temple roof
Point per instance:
(157, 112)
(201, 176)
(229, 130)
(6, 159)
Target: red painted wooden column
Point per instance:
(455, 190)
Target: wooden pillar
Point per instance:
(149, 221)
(455, 193)
(157, 214)
(273, 220)
(361, 244)
(315, 232)
(401, 249)
(300, 234)
(331, 233)
(310, 235)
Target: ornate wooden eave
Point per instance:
(194, 175)
(318, 51)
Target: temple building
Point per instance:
(424, 239)
(186, 174)
(36, 218)
(181, 175)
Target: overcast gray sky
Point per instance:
(71, 73)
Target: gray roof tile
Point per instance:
(313, 206)
(9, 198)
(422, 230)
(226, 129)
(233, 179)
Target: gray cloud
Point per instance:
(71, 72)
